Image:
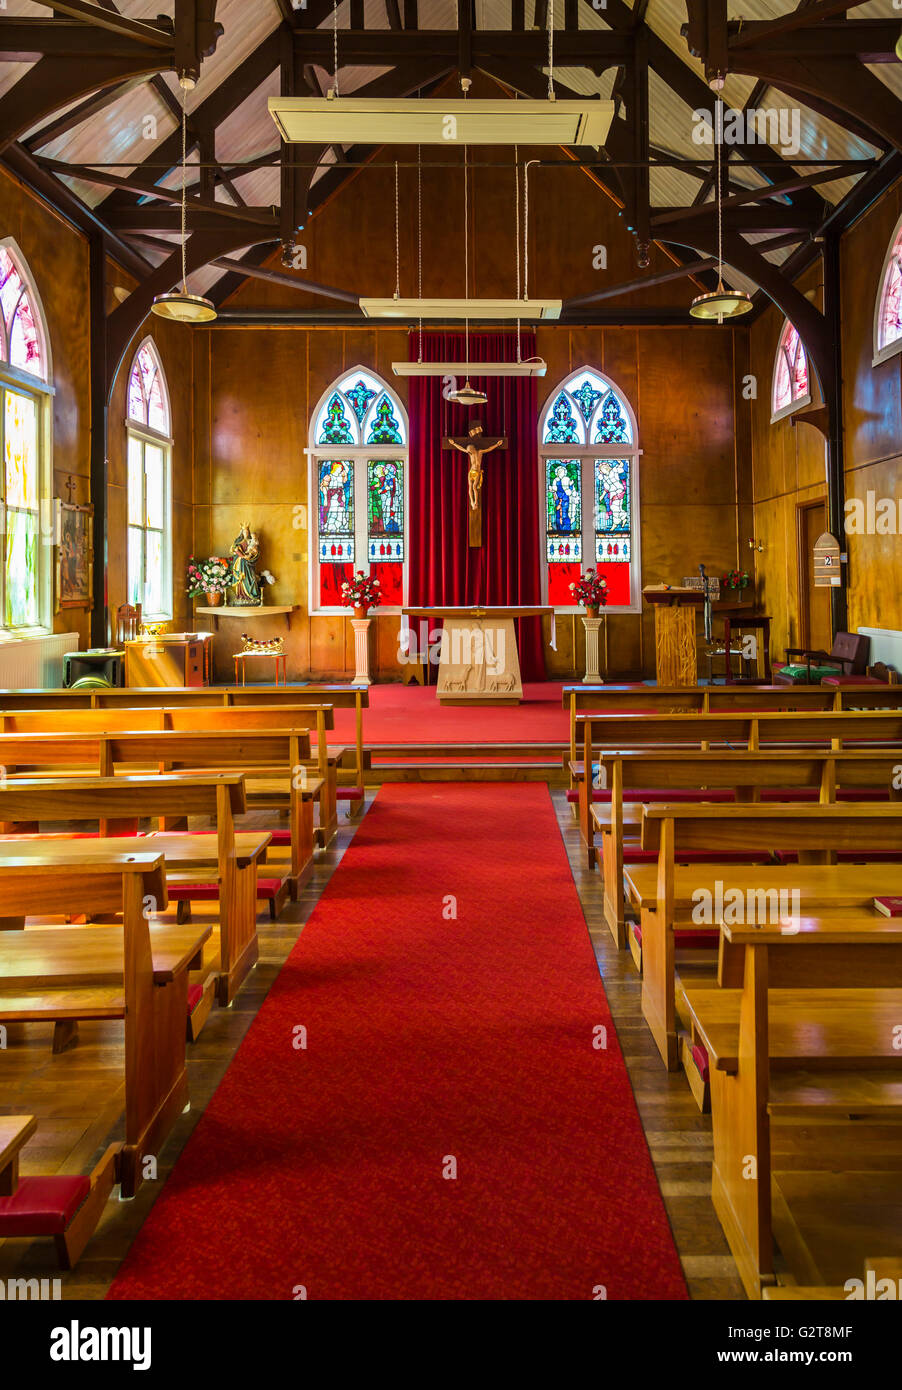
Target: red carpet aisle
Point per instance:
(428, 1040)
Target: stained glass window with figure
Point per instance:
(24, 438)
(594, 485)
(790, 387)
(359, 453)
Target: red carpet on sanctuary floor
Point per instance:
(432, 1042)
(412, 714)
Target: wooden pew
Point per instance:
(745, 775)
(279, 756)
(132, 972)
(765, 732)
(231, 858)
(815, 831)
(718, 699)
(356, 697)
(808, 1038)
(200, 717)
(70, 1206)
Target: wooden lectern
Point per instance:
(676, 660)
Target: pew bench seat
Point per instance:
(814, 1031)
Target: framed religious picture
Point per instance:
(75, 556)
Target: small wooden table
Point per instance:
(279, 658)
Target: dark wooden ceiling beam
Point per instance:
(202, 218)
(839, 88)
(868, 40)
(362, 47)
(156, 36)
(758, 195)
(800, 19)
(775, 217)
(27, 40)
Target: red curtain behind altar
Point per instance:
(506, 568)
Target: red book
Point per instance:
(890, 907)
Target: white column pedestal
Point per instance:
(361, 628)
(592, 676)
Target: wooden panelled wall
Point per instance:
(788, 462)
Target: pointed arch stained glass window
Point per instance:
(384, 428)
(588, 411)
(20, 334)
(790, 372)
(336, 428)
(148, 400)
(888, 317)
(612, 426)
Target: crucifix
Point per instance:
(475, 445)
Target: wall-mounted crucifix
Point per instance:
(475, 445)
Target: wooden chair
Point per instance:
(137, 972)
(65, 1207)
(848, 657)
(128, 622)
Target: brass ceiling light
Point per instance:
(179, 305)
(722, 303)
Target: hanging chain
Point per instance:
(551, 50)
(420, 241)
(335, 47)
(517, 233)
(467, 256)
(526, 226)
(397, 238)
(718, 148)
(184, 189)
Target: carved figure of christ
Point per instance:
(475, 445)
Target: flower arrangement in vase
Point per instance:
(361, 593)
(591, 591)
(737, 580)
(208, 578)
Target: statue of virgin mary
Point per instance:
(244, 550)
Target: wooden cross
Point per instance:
(475, 445)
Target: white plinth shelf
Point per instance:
(228, 610)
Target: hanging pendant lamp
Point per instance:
(179, 305)
(467, 394)
(722, 303)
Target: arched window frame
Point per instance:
(587, 455)
(141, 435)
(892, 261)
(359, 454)
(39, 389)
(795, 402)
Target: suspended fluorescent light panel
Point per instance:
(409, 121)
(392, 308)
(531, 367)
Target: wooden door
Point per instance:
(815, 621)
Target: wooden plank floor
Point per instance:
(78, 1099)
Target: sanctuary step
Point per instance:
(443, 762)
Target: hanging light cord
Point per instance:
(335, 47)
(526, 226)
(184, 190)
(467, 258)
(397, 238)
(420, 241)
(517, 235)
(718, 146)
(551, 50)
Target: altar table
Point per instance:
(478, 663)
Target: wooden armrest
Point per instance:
(15, 1132)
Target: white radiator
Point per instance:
(35, 663)
(886, 645)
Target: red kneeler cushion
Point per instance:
(700, 1058)
(688, 938)
(696, 856)
(851, 680)
(209, 892)
(42, 1206)
(349, 794)
(195, 995)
